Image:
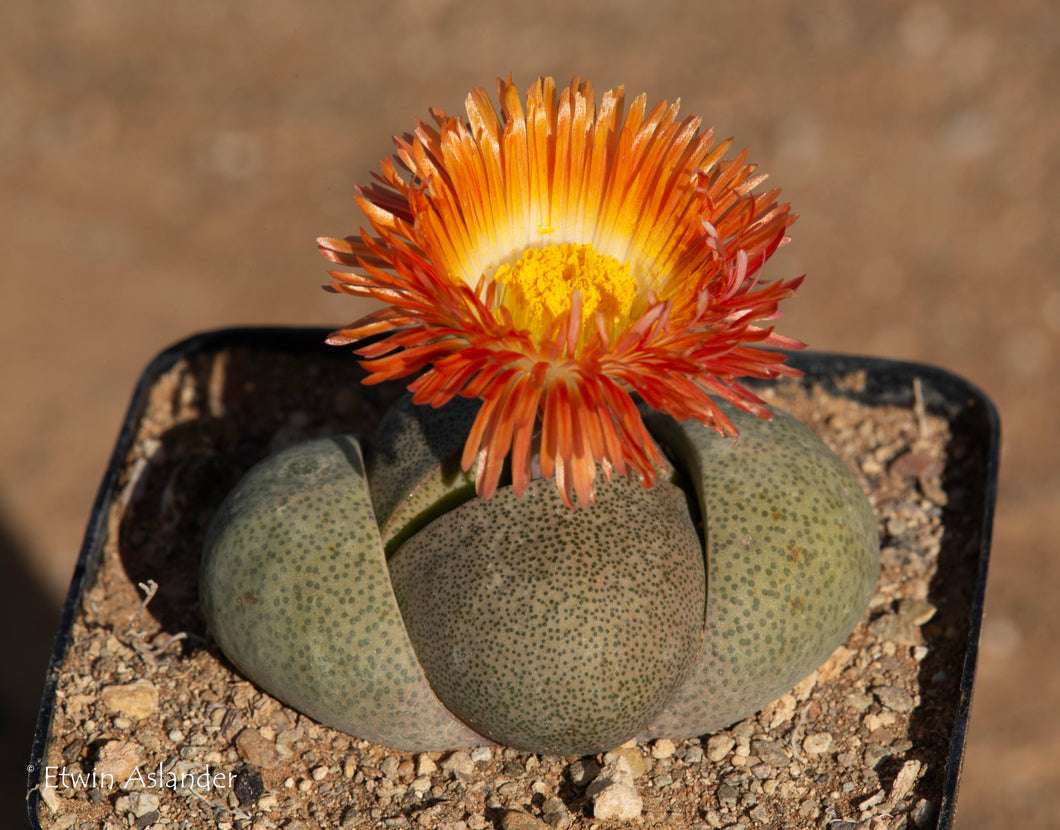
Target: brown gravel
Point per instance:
(860, 743)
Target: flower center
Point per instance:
(540, 284)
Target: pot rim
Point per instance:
(888, 382)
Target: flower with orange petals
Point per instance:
(557, 261)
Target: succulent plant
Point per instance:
(562, 281)
(389, 601)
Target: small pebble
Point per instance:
(481, 754)
(817, 743)
(727, 794)
(896, 629)
(425, 765)
(896, 526)
(694, 755)
(924, 813)
(518, 820)
(459, 762)
(771, 752)
(858, 701)
(917, 465)
(256, 750)
(248, 788)
(663, 748)
(555, 813)
(801, 691)
(143, 803)
(118, 759)
(137, 700)
(809, 808)
(615, 772)
(515, 770)
(898, 700)
(583, 771)
(320, 773)
(613, 794)
(877, 720)
(51, 798)
(638, 762)
(389, 767)
(783, 710)
(874, 753)
(871, 801)
(617, 802)
(421, 784)
(720, 745)
(903, 782)
(917, 611)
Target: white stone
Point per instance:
(817, 743)
(617, 802)
(425, 765)
(50, 797)
(783, 710)
(616, 772)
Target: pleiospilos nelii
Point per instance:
(385, 599)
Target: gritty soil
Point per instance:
(862, 742)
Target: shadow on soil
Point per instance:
(30, 620)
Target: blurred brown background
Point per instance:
(165, 169)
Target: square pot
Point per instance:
(893, 702)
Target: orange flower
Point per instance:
(557, 261)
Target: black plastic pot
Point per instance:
(972, 418)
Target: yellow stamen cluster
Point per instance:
(540, 283)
